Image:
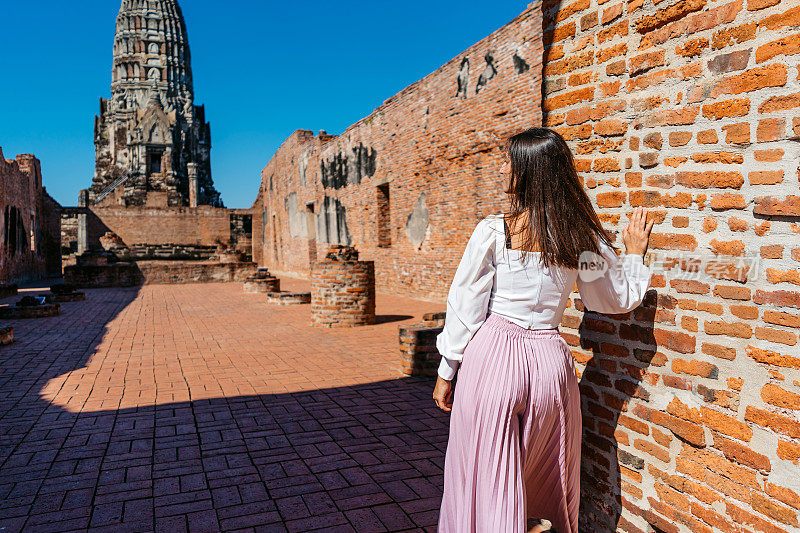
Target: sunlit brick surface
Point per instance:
(199, 407)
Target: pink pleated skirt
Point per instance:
(515, 433)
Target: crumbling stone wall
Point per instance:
(431, 151)
(689, 108)
(29, 222)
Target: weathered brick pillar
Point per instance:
(262, 281)
(342, 293)
(194, 191)
(83, 222)
(418, 353)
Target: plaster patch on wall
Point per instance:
(417, 223)
(297, 222)
(302, 167)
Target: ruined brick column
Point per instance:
(83, 222)
(262, 281)
(342, 289)
(418, 353)
(194, 191)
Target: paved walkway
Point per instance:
(200, 408)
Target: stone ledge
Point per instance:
(34, 311)
(64, 297)
(288, 298)
(259, 285)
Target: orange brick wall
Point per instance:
(690, 108)
(135, 225)
(427, 140)
(201, 225)
(37, 254)
(687, 107)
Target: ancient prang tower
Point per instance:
(152, 143)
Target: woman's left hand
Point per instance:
(442, 392)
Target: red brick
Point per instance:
(790, 17)
(713, 178)
(779, 397)
(733, 34)
(770, 129)
(778, 423)
(664, 16)
(738, 107)
(786, 46)
(770, 205)
(752, 80)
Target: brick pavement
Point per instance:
(200, 408)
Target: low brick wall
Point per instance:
(418, 353)
(63, 298)
(13, 312)
(342, 293)
(258, 285)
(171, 252)
(173, 272)
(100, 276)
(288, 298)
(156, 272)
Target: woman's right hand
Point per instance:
(636, 234)
(442, 393)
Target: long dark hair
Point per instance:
(545, 185)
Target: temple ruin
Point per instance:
(29, 223)
(151, 140)
(690, 402)
(152, 201)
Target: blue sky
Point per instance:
(262, 68)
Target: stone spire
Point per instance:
(150, 130)
(151, 48)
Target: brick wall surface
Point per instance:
(178, 225)
(687, 107)
(187, 226)
(690, 109)
(342, 293)
(434, 146)
(29, 222)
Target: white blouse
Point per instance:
(493, 278)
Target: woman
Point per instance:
(515, 429)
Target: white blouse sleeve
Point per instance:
(468, 298)
(620, 288)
